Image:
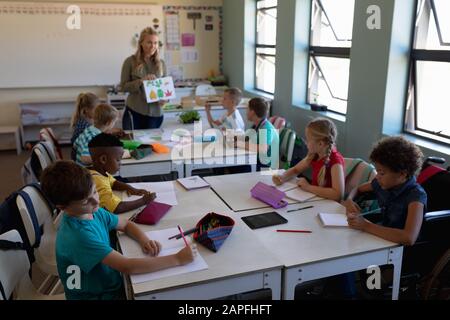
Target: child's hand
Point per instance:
(137, 192)
(187, 254)
(277, 180)
(303, 183)
(351, 207)
(149, 197)
(357, 222)
(151, 247)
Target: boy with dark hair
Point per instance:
(82, 241)
(401, 199)
(106, 151)
(263, 137)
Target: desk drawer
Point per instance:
(145, 169)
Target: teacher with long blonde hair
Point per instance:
(145, 64)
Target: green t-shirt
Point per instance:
(83, 244)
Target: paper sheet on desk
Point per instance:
(168, 247)
(165, 191)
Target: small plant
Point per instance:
(189, 116)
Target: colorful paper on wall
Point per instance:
(159, 89)
(188, 39)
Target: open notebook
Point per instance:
(194, 182)
(293, 191)
(333, 219)
(168, 247)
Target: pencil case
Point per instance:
(142, 151)
(269, 194)
(212, 230)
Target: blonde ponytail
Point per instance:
(85, 101)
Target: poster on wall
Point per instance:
(159, 89)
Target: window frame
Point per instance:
(323, 51)
(417, 55)
(262, 46)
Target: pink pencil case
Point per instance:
(269, 194)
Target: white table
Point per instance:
(184, 158)
(229, 270)
(326, 251)
(234, 189)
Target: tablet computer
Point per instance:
(264, 220)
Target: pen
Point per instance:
(178, 236)
(308, 207)
(298, 231)
(182, 234)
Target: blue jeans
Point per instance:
(140, 121)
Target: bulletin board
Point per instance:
(193, 47)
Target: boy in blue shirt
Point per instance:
(401, 199)
(263, 137)
(83, 244)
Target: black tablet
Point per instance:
(264, 220)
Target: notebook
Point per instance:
(299, 195)
(152, 213)
(194, 182)
(333, 219)
(168, 247)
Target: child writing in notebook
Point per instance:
(106, 152)
(401, 199)
(83, 243)
(232, 119)
(326, 162)
(105, 117)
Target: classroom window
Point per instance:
(428, 102)
(265, 48)
(329, 57)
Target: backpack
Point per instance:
(300, 151)
(11, 219)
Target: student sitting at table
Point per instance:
(401, 199)
(231, 119)
(327, 163)
(83, 243)
(106, 151)
(105, 117)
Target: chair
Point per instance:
(47, 134)
(278, 122)
(14, 277)
(35, 222)
(42, 155)
(357, 172)
(287, 144)
(205, 90)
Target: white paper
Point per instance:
(172, 29)
(159, 89)
(189, 55)
(176, 72)
(193, 182)
(299, 195)
(165, 191)
(168, 247)
(333, 219)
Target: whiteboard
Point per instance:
(38, 50)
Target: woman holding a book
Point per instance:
(145, 64)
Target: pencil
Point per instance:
(297, 231)
(308, 207)
(182, 234)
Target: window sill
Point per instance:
(257, 93)
(327, 114)
(425, 143)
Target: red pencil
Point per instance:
(182, 234)
(299, 231)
